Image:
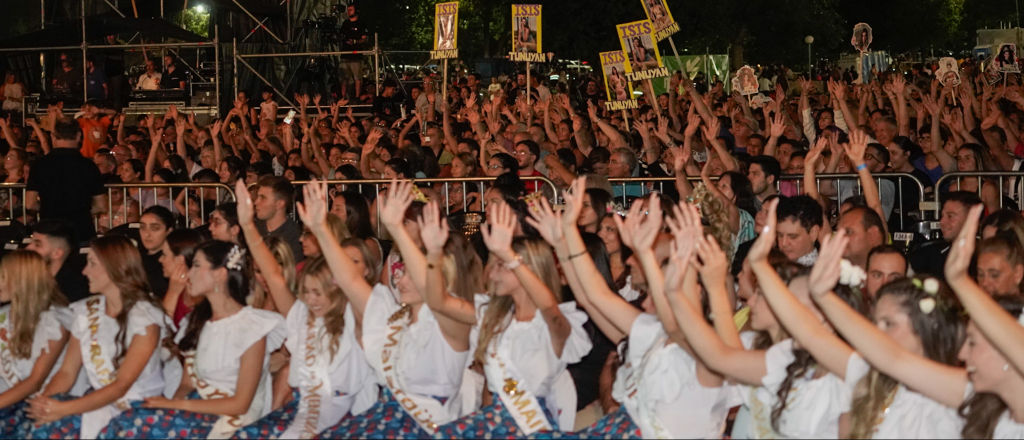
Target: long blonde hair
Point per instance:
(537, 257)
(33, 290)
(317, 271)
(284, 257)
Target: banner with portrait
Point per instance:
(658, 13)
(446, 31)
(620, 90)
(526, 35)
(641, 50)
(1006, 58)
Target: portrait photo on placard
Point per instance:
(641, 52)
(747, 80)
(614, 67)
(658, 13)
(861, 37)
(525, 35)
(1006, 58)
(948, 72)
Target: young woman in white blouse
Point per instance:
(665, 392)
(882, 406)
(412, 358)
(327, 369)
(114, 337)
(988, 392)
(32, 335)
(226, 347)
(787, 393)
(524, 337)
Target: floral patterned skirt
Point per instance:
(274, 424)
(69, 427)
(146, 423)
(384, 420)
(14, 421)
(616, 425)
(492, 421)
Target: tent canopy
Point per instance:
(97, 27)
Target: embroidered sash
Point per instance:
(426, 411)
(639, 407)
(520, 402)
(8, 369)
(315, 384)
(226, 425)
(98, 361)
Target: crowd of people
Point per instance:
(742, 298)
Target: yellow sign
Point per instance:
(446, 30)
(658, 13)
(620, 90)
(526, 36)
(641, 50)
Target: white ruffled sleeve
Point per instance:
(578, 344)
(48, 329)
(257, 325)
(776, 360)
(143, 315)
(78, 325)
(856, 369)
(646, 330)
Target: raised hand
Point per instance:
(711, 262)
(400, 197)
(215, 128)
(641, 230)
(960, 253)
(826, 270)
(573, 198)
(685, 226)
(433, 229)
(545, 221)
(244, 205)
(692, 124)
(498, 236)
(766, 241)
(857, 146)
(313, 209)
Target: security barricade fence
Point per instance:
(193, 201)
(1009, 183)
(845, 185)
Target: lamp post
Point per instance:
(810, 66)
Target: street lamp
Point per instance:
(810, 66)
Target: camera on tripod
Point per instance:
(327, 25)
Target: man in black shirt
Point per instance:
(66, 185)
(388, 106)
(174, 76)
(354, 34)
(54, 240)
(274, 197)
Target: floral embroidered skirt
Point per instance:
(384, 420)
(14, 421)
(617, 425)
(492, 421)
(69, 427)
(147, 423)
(274, 424)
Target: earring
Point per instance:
(1006, 367)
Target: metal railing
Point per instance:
(1011, 178)
(642, 186)
(145, 195)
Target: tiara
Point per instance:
(617, 209)
(235, 258)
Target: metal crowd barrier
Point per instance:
(1012, 178)
(147, 194)
(642, 186)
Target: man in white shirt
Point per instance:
(151, 79)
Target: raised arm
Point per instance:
(269, 267)
(946, 161)
(313, 212)
(1000, 327)
(855, 150)
(44, 138)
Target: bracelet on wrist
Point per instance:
(577, 254)
(861, 166)
(515, 263)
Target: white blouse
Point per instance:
(51, 321)
(910, 415)
(144, 314)
(348, 370)
(428, 364)
(1007, 428)
(218, 357)
(684, 407)
(814, 407)
(530, 348)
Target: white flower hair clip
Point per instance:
(931, 287)
(235, 258)
(850, 274)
